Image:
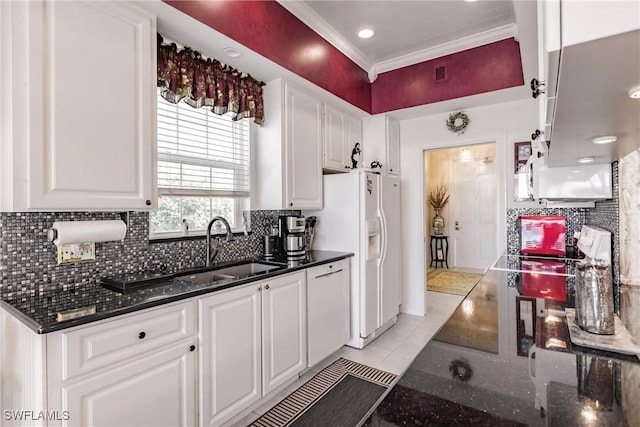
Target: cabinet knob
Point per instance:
(390, 170)
(141, 335)
(192, 347)
(147, 202)
(291, 204)
(536, 134)
(266, 286)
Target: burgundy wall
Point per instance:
(272, 31)
(482, 69)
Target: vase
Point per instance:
(437, 225)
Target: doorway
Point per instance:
(468, 175)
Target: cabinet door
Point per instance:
(393, 147)
(327, 309)
(90, 115)
(158, 390)
(335, 155)
(230, 364)
(284, 329)
(303, 150)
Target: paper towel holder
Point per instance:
(52, 233)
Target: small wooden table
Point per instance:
(441, 253)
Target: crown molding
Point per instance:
(469, 42)
(314, 21)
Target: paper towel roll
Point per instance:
(70, 232)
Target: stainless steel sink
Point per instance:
(205, 277)
(248, 269)
(239, 271)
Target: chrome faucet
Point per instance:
(211, 256)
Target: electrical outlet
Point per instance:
(78, 252)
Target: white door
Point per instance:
(284, 329)
(369, 275)
(473, 214)
(230, 359)
(303, 150)
(83, 153)
(390, 258)
(158, 390)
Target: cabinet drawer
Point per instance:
(95, 346)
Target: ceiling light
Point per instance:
(231, 52)
(465, 155)
(366, 33)
(635, 93)
(585, 159)
(605, 139)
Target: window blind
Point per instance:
(201, 153)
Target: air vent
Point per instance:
(441, 73)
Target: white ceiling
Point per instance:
(406, 32)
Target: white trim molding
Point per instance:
(469, 42)
(314, 21)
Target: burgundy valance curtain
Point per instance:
(184, 75)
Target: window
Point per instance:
(203, 168)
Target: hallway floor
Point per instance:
(392, 352)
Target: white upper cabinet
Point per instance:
(341, 133)
(382, 141)
(393, 146)
(81, 122)
(288, 150)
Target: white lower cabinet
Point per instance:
(214, 356)
(139, 369)
(230, 359)
(157, 390)
(252, 340)
(328, 309)
(284, 335)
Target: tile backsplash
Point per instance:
(606, 215)
(28, 261)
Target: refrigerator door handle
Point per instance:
(382, 251)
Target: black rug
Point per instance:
(339, 395)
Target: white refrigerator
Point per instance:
(361, 214)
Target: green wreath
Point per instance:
(458, 122)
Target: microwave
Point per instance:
(543, 235)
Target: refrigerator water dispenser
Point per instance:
(373, 238)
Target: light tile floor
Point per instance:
(392, 352)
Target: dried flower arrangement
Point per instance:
(439, 198)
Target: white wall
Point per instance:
(503, 123)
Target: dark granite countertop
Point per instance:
(39, 311)
(505, 358)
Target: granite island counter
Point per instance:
(505, 358)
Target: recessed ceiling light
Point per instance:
(366, 33)
(585, 159)
(231, 52)
(605, 139)
(635, 92)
